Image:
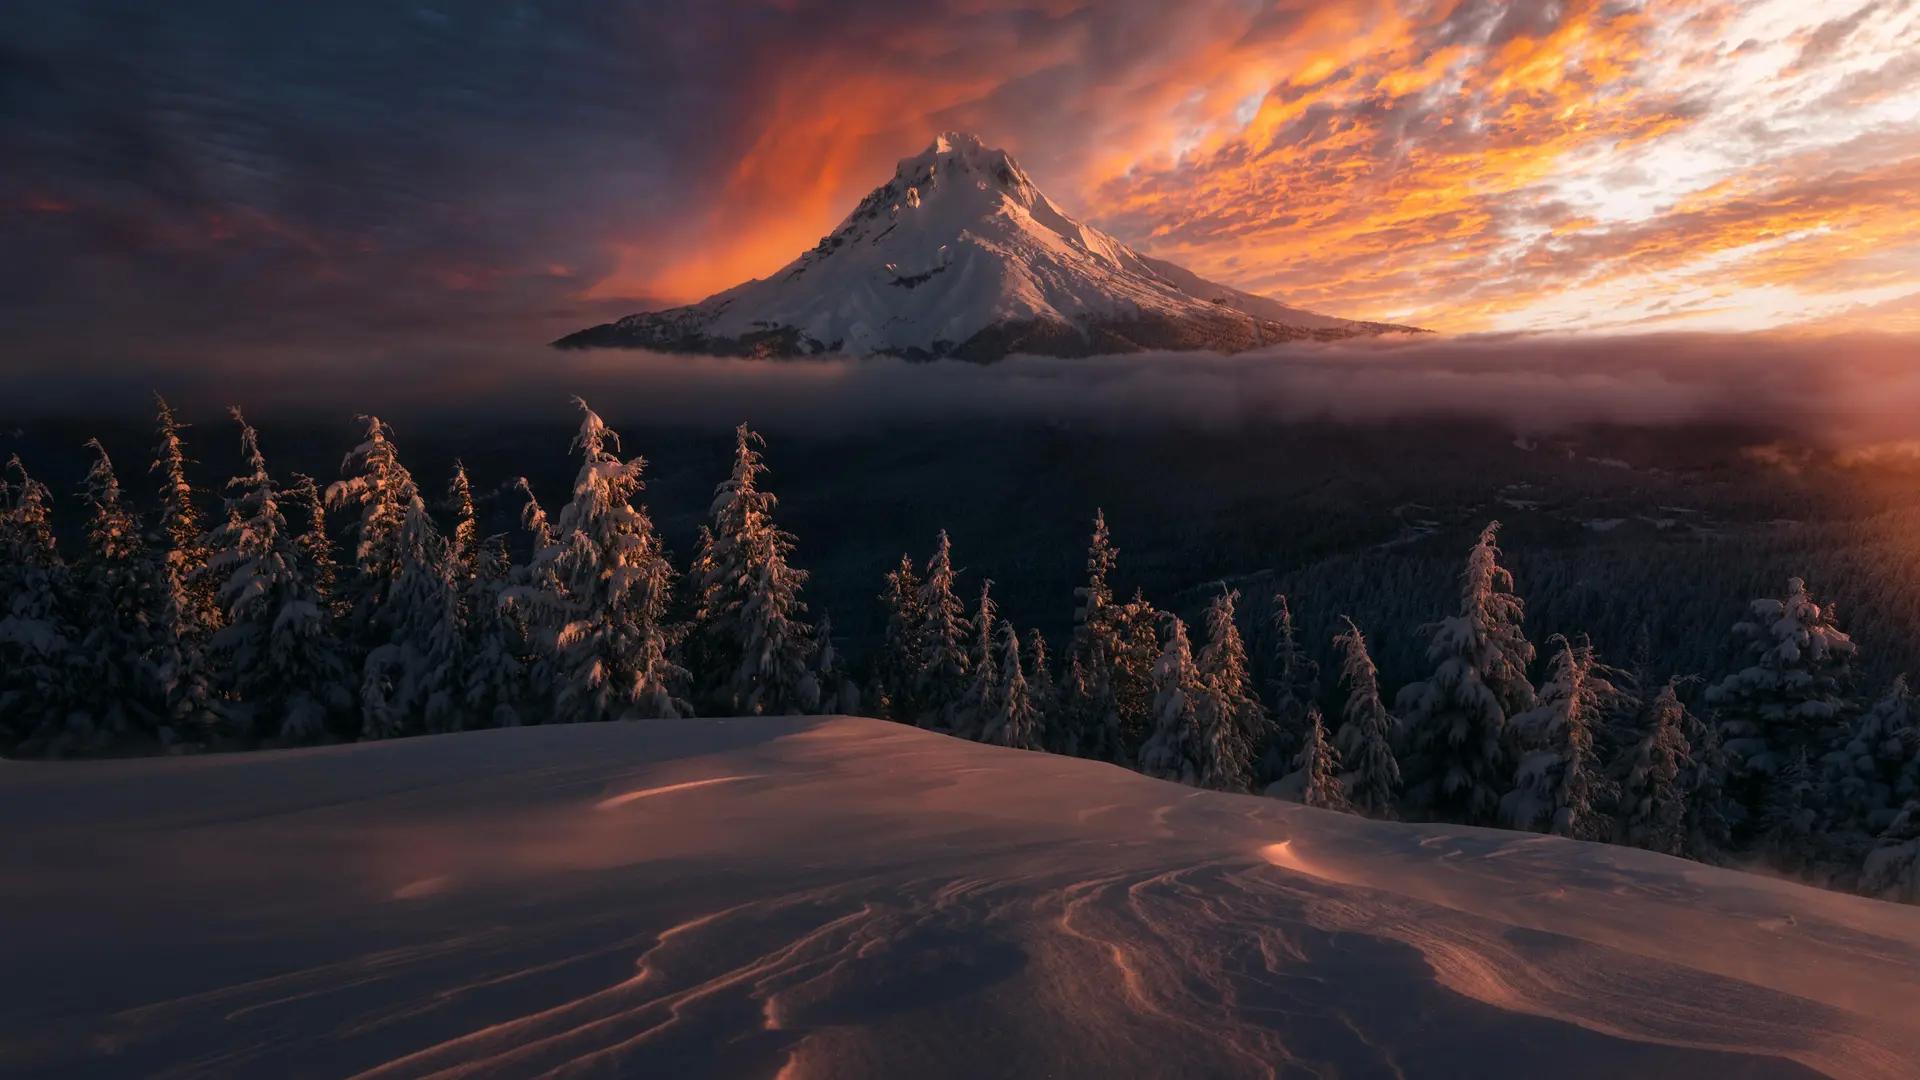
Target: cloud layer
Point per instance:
(212, 171)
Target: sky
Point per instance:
(199, 177)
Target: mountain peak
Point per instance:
(961, 255)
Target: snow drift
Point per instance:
(848, 897)
(959, 254)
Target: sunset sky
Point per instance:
(212, 172)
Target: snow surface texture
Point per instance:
(849, 897)
(960, 255)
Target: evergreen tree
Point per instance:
(1559, 786)
(1315, 779)
(1015, 720)
(597, 595)
(404, 600)
(1871, 771)
(1367, 730)
(1704, 778)
(1091, 722)
(1653, 798)
(117, 597)
(315, 546)
(755, 645)
(36, 635)
(1892, 868)
(942, 680)
(1171, 750)
(1790, 699)
(978, 705)
(493, 687)
(1234, 722)
(1457, 718)
(1788, 820)
(1038, 670)
(1295, 681)
(1128, 681)
(897, 671)
(838, 694)
(463, 543)
(275, 655)
(186, 611)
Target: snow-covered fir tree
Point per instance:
(1559, 785)
(838, 694)
(1456, 719)
(1892, 868)
(1791, 698)
(597, 595)
(1234, 721)
(36, 634)
(1315, 779)
(315, 544)
(1709, 830)
(463, 542)
(403, 597)
(1014, 719)
(1367, 730)
(493, 675)
(117, 597)
(983, 670)
(1871, 771)
(750, 623)
(897, 670)
(275, 655)
(1037, 666)
(1171, 748)
(1089, 723)
(186, 611)
(1790, 817)
(943, 677)
(1652, 772)
(1295, 681)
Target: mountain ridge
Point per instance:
(961, 256)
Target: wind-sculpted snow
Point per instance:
(848, 897)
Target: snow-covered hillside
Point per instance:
(849, 897)
(960, 255)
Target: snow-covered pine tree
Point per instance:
(1170, 750)
(493, 686)
(1315, 779)
(36, 632)
(1366, 734)
(1089, 723)
(1791, 698)
(179, 536)
(463, 543)
(1871, 771)
(1234, 722)
(983, 668)
(1791, 815)
(317, 564)
(838, 693)
(1456, 719)
(186, 611)
(597, 595)
(1653, 798)
(754, 644)
(942, 638)
(117, 598)
(274, 656)
(1295, 680)
(1892, 868)
(1704, 778)
(1038, 669)
(897, 670)
(1014, 720)
(1559, 786)
(404, 600)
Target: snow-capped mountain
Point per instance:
(960, 255)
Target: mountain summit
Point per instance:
(959, 255)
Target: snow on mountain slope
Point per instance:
(847, 897)
(960, 255)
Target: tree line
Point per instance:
(365, 608)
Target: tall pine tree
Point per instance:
(1367, 730)
(1559, 786)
